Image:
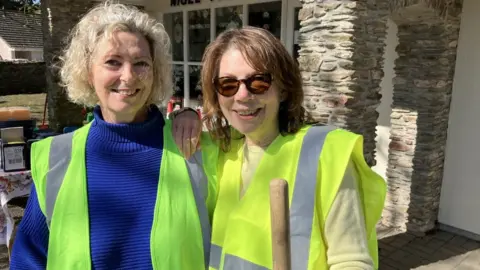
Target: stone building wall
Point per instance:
(341, 58)
(419, 121)
(22, 77)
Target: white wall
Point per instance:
(460, 200)
(385, 109)
(163, 5)
(37, 55)
(5, 51)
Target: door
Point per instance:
(293, 27)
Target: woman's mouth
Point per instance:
(248, 114)
(126, 92)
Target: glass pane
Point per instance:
(173, 23)
(198, 33)
(296, 33)
(178, 80)
(228, 17)
(195, 85)
(267, 16)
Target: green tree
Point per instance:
(27, 6)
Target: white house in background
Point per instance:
(20, 36)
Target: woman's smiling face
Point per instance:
(254, 115)
(121, 74)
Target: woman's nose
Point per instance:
(243, 93)
(128, 74)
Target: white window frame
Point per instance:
(286, 32)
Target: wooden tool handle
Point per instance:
(280, 219)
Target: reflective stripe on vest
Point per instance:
(59, 160)
(301, 208)
(199, 181)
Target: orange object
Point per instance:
(15, 113)
(170, 107)
(173, 102)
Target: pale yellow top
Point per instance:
(345, 233)
(252, 155)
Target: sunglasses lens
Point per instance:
(260, 84)
(257, 84)
(227, 86)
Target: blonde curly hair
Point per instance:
(101, 22)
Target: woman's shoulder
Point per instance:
(61, 140)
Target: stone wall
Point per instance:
(22, 77)
(341, 59)
(421, 101)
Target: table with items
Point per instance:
(12, 185)
(17, 128)
(18, 131)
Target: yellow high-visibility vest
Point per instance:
(313, 161)
(180, 236)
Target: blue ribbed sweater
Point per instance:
(123, 166)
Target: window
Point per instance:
(191, 29)
(174, 26)
(23, 55)
(228, 17)
(178, 80)
(267, 16)
(199, 33)
(296, 33)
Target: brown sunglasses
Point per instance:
(256, 84)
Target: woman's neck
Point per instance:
(143, 132)
(125, 118)
(261, 140)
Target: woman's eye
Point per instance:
(114, 63)
(142, 64)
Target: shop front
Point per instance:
(193, 24)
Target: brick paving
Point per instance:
(438, 250)
(398, 250)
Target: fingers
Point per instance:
(186, 132)
(196, 133)
(187, 140)
(192, 134)
(178, 137)
(183, 139)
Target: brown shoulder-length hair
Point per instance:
(266, 54)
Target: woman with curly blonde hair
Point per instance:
(253, 95)
(116, 193)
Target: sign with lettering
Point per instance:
(175, 3)
(13, 157)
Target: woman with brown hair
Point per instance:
(252, 91)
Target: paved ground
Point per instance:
(398, 250)
(436, 251)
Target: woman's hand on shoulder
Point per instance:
(187, 128)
